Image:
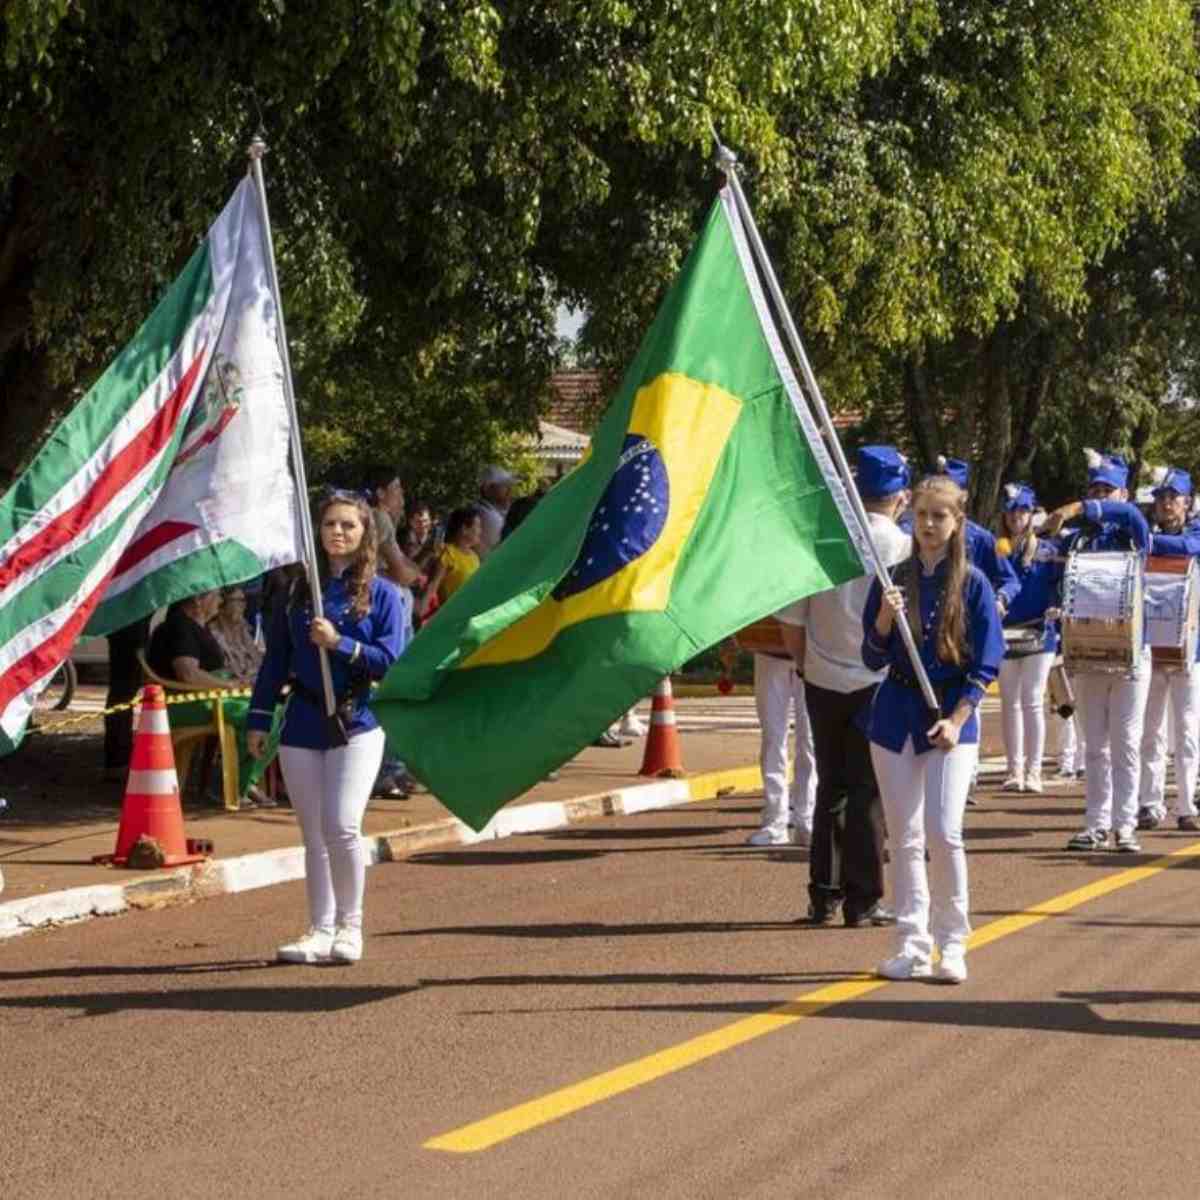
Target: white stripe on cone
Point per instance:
(154, 720)
(152, 783)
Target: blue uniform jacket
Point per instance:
(1041, 588)
(898, 711)
(981, 553)
(372, 643)
(1122, 527)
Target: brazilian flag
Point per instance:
(703, 505)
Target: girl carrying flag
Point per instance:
(924, 761)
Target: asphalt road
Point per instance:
(635, 996)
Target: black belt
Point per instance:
(940, 688)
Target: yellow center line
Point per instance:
(482, 1135)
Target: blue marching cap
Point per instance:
(955, 468)
(1111, 469)
(1019, 495)
(880, 471)
(1172, 479)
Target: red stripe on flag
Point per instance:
(149, 442)
(45, 657)
(150, 541)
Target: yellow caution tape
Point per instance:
(169, 697)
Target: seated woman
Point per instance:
(183, 648)
(243, 655)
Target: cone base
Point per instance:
(173, 860)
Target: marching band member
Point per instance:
(778, 690)
(1023, 676)
(924, 763)
(824, 632)
(981, 544)
(1176, 692)
(1113, 705)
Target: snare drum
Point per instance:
(1172, 610)
(763, 637)
(1103, 611)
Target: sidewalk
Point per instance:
(46, 852)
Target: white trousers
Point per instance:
(778, 691)
(1071, 746)
(1023, 710)
(1173, 705)
(924, 797)
(1113, 709)
(329, 790)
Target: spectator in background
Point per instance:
(417, 540)
(519, 509)
(495, 492)
(184, 649)
(459, 559)
(243, 655)
(420, 541)
(385, 494)
(124, 682)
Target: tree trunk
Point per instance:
(995, 422)
(921, 407)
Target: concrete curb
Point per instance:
(227, 876)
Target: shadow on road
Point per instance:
(1045, 1016)
(318, 998)
(592, 929)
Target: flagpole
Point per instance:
(255, 153)
(727, 162)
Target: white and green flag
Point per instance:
(168, 478)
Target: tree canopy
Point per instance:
(960, 196)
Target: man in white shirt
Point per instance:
(495, 497)
(824, 633)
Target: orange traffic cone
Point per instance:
(663, 757)
(151, 809)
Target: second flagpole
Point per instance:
(727, 162)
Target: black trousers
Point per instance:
(846, 861)
(124, 679)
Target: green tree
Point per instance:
(443, 174)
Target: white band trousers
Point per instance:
(329, 790)
(778, 693)
(1023, 711)
(1114, 707)
(924, 797)
(1172, 715)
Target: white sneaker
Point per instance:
(313, 947)
(1013, 783)
(905, 966)
(801, 836)
(347, 945)
(1033, 782)
(952, 968)
(632, 726)
(767, 837)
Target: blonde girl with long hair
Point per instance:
(924, 761)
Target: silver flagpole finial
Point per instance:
(726, 159)
(256, 149)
